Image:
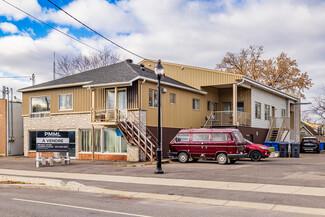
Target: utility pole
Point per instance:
(54, 66)
(33, 79)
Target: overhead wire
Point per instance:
(127, 50)
(52, 26)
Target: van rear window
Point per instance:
(220, 137)
(182, 137)
(200, 137)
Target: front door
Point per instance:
(226, 117)
(273, 112)
(110, 103)
(72, 143)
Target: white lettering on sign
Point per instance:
(52, 140)
(52, 134)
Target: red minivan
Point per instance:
(219, 144)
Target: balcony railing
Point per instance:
(108, 115)
(226, 118)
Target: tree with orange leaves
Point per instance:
(280, 72)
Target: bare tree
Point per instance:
(318, 107)
(281, 72)
(69, 65)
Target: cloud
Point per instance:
(8, 28)
(105, 17)
(30, 6)
(195, 32)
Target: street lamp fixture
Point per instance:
(159, 70)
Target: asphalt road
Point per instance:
(307, 171)
(40, 203)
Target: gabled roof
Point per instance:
(122, 73)
(310, 130)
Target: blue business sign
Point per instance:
(52, 141)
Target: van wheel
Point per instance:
(256, 156)
(222, 158)
(183, 157)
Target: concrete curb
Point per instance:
(53, 184)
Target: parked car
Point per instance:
(222, 145)
(309, 144)
(256, 151)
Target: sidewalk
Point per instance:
(290, 185)
(23, 176)
(216, 185)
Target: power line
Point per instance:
(52, 26)
(95, 31)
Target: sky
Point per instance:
(190, 32)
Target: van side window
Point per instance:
(231, 138)
(220, 137)
(182, 137)
(200, 137)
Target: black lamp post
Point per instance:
(159, 70)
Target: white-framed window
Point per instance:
(172, 98)
(267, 112)
(113, 143)
(65, 102)
(153, 98)
(283, 112)
(196, 104)
(257, 110)
(106, 140)
(40, 107)
(240, 106)
(86, 138)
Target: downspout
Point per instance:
(243, 80)
(8, 125)
(140, 111)
(144, 80)
(12, 116)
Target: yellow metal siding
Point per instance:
(81, 99)
(194, 76)
(180, 114)
(243, 95)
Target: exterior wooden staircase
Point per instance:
(136, 132)
(278, 127)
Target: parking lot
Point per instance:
(308, 170)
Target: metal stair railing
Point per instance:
(139, 134)
(268, 137)
(284, 126)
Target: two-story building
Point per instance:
(111, 112)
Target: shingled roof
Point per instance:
(118, 73)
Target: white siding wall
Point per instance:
(268, 98)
